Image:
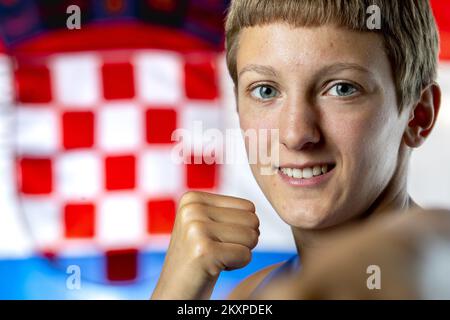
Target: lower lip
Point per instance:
(311, 182)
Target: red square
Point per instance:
(120, 172)
(121, 265)
(79, 220)
(160, 123)
(200, 80)
(201, 174)
(33, 84)
(118, 81)
(78, 129)
(49, 254)
(161, 215)
(35, 176)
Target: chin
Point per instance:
(305, 218)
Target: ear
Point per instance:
(423, 116)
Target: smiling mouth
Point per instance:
(307, 172)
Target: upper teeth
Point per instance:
(305, 173)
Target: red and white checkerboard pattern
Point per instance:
(93, 142)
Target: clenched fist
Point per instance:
(211, 233)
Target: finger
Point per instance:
(216, 200)
(203, 212)
(233, 233)
(233, 256)
(234, 216)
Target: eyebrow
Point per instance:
(264, 70)
(334, 68)
(337, 67)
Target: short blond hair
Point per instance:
(408, 28)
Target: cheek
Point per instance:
(368, 143)
(255, 124)
(250, 118)
(351, 135)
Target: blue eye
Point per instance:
(343, 90)
(264, 92)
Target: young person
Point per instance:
(350, 99)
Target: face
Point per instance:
(331, 94)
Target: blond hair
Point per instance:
(408, 28)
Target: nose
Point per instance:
(298, 122)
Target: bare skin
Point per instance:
(212, 233)
(330, 92)
(397, 245)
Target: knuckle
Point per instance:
(195, 229)
(188, 197)
(254, 221)
(215, 269)
(203, 249)
(246, 256)
(191, 211)
(253, 238)
(251, 206)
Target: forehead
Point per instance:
(285, 47)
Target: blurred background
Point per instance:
(87, 182)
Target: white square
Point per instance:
(37, 130)
(120, 127)
(45, 219)
(6, 89)
(209, 114)
(79, 175)
(203, 122)
(76, 79)
(160, 174)
(120, 220)
(159, 77)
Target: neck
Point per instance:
(393, 200)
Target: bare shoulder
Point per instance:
(249, 284)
